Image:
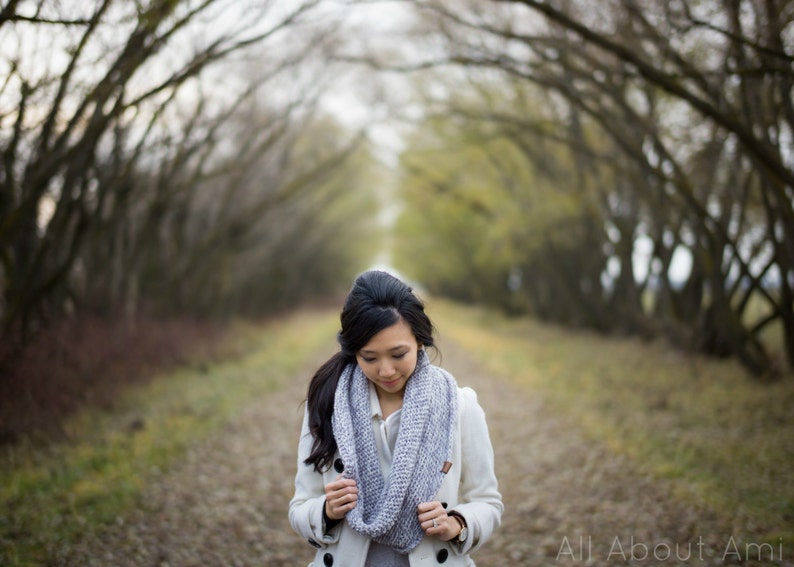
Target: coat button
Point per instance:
(328, 560)
(442, 556)
(444, 505)
(339, 466)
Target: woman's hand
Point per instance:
(435, 521)
(341, 496)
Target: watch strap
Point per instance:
(463, 527)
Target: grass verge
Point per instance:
(720, 438)
(50, 493)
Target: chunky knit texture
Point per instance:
(387, 510)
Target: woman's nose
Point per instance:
(385, 370)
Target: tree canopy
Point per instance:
(625, 166)
(657, 140)
(173, 155)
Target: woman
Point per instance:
(395, 465)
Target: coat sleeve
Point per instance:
(480, 501)
(306, 506)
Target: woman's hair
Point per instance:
(377, 300)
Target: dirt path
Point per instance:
(567, 500)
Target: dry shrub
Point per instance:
(87, 362)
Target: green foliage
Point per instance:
(653, 160)
(476, 210)
(48, 494)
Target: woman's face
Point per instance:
(389, 358)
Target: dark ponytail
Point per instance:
(320, 403)
(377, 300)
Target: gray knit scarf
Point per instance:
(387, 510)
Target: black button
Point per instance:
(314, 543)
(328, 560)
(442, 556)
(339, 466)
(444, 505)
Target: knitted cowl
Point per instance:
(387, 510)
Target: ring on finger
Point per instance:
(435, 524)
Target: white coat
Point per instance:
(470, 488)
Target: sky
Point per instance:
(361, 97)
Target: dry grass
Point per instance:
(51, 493)
(722, 439)
(173, 472)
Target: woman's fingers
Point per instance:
(434, 520)
(341, 496)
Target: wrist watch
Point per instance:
(464, 529)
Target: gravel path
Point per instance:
(568, 501)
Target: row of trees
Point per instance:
(172, 155)
(626, 166)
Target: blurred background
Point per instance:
(167, 167)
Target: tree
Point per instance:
(676, 115)
(127, 173)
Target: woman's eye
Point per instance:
(400, 355)
(368, 359)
